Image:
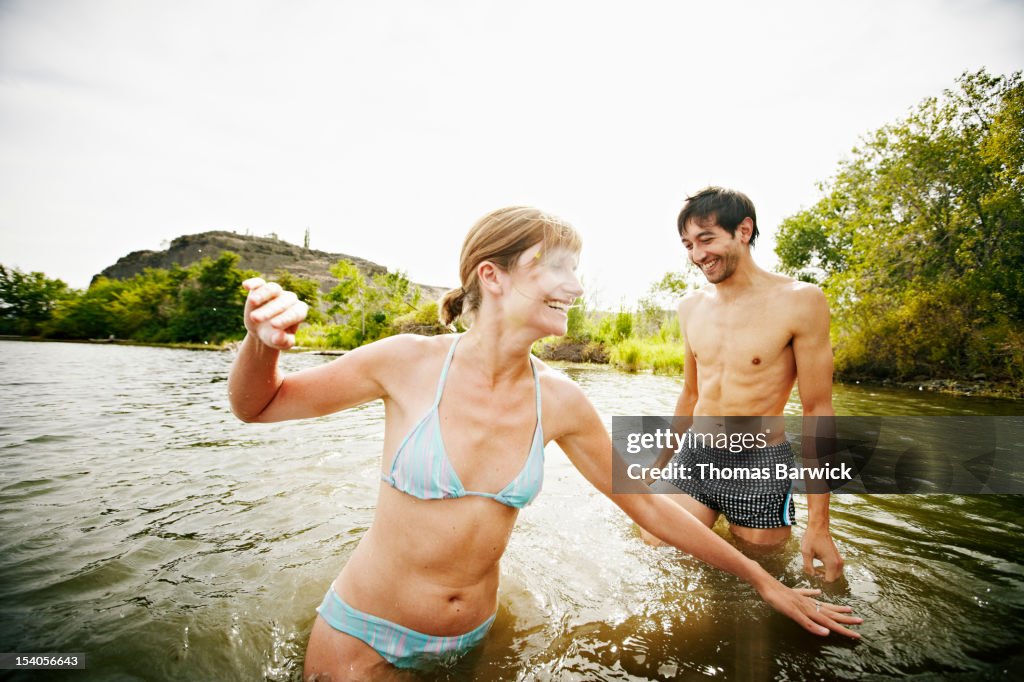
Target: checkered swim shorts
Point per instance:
(752, 503)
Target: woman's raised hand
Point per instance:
(272, 314)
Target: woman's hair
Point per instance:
(500, 237)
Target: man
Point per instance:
(750, 336)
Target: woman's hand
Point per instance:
(814, 616)
(272, 314)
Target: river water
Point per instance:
(142, 524)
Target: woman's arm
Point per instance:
(259, 392)
(588, 446)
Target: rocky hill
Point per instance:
(266, 255)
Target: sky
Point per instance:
(387, 129)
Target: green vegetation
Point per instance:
(204, 304)
(918, 241)
(361, 310)
(662, 358)
(27, 300)
(367, 309)
(647, 338)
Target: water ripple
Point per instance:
(140, 522)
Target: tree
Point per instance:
(919, 238)
(89, 315)
(212, 301)
(307, 290)
(146, 305)
(367, 308)
(28, 300)
(674, 284)
(348, 301)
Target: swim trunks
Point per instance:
(400, 646)
(764, 502)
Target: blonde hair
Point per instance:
(501, 237)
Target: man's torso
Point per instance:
(743, 348)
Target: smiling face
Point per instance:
(712, 249)
(543, 284)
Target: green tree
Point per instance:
(673, 285)
(28, 300)
(308, 291)
(90, 315)
(146, 305)
(211, 301)
(919, 238)
(348, 302)
(649, 316)
(367, 309)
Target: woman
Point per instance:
(466, 420)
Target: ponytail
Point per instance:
(450, 306)
(500, 237)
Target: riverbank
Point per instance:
(125, 342)
(642, 355)
(980, 388)
(597, 354)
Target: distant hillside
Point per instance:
(266, 255)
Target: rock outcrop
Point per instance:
(266, 255)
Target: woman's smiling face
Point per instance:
(544, 284)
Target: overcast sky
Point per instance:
(388, 128)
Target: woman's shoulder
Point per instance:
(400, 353)
(556, 387)
(567, 410)
(411, 346)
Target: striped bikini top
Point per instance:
(421, 467)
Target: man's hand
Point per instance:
(272, 314)
(817, 543)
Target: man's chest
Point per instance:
(752, 334)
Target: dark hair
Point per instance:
(717, 205)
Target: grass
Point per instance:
(633, 355)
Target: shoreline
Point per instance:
(965, 388)
(968, 388)
(122, 342)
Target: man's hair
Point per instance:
(718, 205)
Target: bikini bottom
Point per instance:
(400, 646)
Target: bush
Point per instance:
(633, 355)
(423, 320)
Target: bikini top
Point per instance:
(421, 467)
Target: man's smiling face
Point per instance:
(712, 249)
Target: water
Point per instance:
(140, 523)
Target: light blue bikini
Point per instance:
(400, 646)
(421, 468)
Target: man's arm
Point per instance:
(812, 351)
